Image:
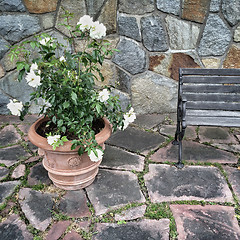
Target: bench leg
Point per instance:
(179, 164)
(175, 141)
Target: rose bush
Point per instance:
(66, 86)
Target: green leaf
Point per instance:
(33, 44)
(74, 97)
(98, 108)
(60, 123)
(66, 104)
(20, 65)
(54, 119)
(20, 75)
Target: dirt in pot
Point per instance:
(46, 127)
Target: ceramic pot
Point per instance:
(65, 167)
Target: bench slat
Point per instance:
(212, 97)
(213, 106)
(213, 121)
(211, 79)
(197, 88)
(200, 71)
(212, 113)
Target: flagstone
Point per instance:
(11, 155)
(37, 207)
(234, 179)
(136, 140)
(193, 152)
(116, 158)
(9, 135)
(206, 222)
(38, 175)
(57, 230)
(131, 213)
(113, 189)
(216, 135)
(145, 229)
(19, 171)
(74, 204)
(6, 189)
(168, 183)
(14, 228)
(3, 172)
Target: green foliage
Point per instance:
(67, 86)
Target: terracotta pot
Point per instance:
(65, 167)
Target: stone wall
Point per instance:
(155, 38)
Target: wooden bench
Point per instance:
(207, 97)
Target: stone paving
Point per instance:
(138, 192)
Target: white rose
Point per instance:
(33, 80)
(62, 59)
(15, 107)
(44, 41)
(86, 22)
(129, 117)
(97, 31)
(34, 67)
(53, 139)
(95, 158)
(103, 95)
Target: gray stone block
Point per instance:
(169, 6)
(231, 11)
(183, 35)
(136, 7)
(167, 183)
(4, 46)
(113, 189)
(123, 81)
(4, 100)
(153, 93)
(131, 57)
(127, 26)
(216, 37)
(12, 6)
(215, 5)
(17, 27)
(94, 7)
(153, 34)
(124, 98)
(145, 229)
(18, 90)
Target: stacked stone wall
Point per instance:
(155, 38)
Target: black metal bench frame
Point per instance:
(206, 97)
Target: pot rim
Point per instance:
(41, 142)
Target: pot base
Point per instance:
(72, 180)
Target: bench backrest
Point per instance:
(213, 96)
